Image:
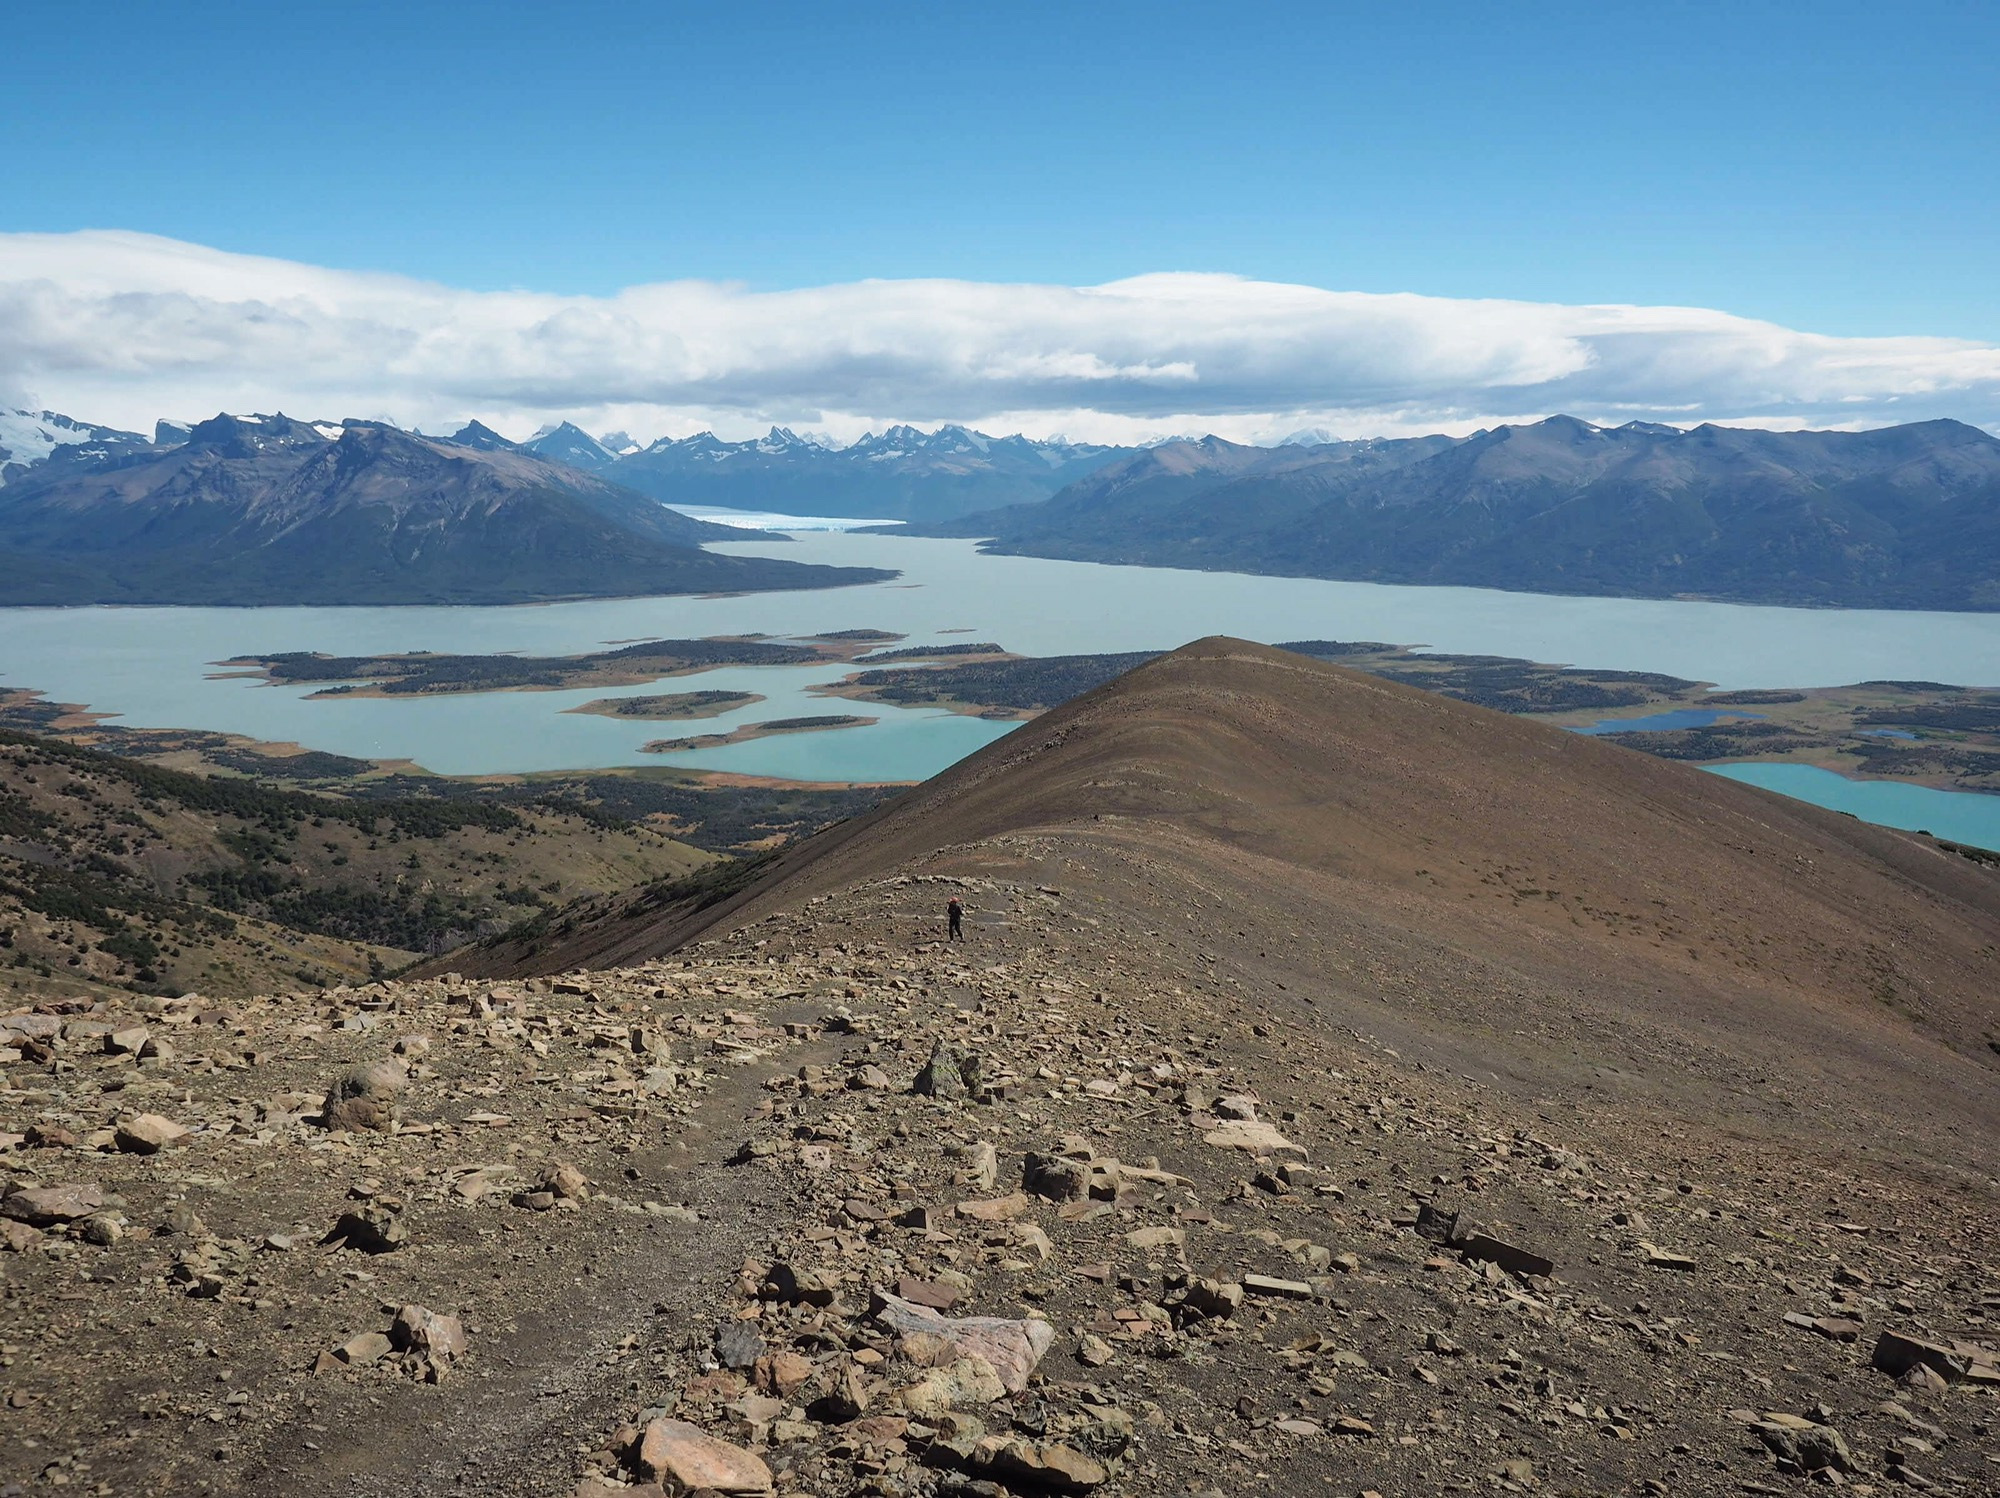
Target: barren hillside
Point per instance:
(1339, 1090)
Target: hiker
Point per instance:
(955, 917)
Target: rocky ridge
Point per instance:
(829, 1206)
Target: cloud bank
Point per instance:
(123, 328)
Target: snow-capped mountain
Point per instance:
(571, 444)
(478, 434)
(28, 439)
(903, 473)
(265, 509)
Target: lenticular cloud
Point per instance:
(125, 327)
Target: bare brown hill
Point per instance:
(1496, 896)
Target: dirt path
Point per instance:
(595, 1316)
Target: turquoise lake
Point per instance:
(153, 667)
(1960, 816)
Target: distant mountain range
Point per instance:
(901, 474)
(1903, 517)
(269, 510)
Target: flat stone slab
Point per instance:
(1254, 1136)
(149, 1133)
(1491, 1250)
(1264, 1284)
(692, 1460)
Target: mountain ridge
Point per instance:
(1347, 823)
(268, 509)
(1898, 517)
(1296, 1116)
(901, 473)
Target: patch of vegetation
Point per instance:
(1984, 856)
(1974, 713)
(415, 920)
(1333, 650)
(723, 819)
(936, 652)
(1524, 687)
(279, 811)
(824, 720)
(669, 704)
(1719, 741)
(313, 764)
(1752, 698)
(690, 893)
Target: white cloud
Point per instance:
(121, 328)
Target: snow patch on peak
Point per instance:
(30, 438)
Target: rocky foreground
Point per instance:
(830, 1207)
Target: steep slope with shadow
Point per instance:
(1501, 897)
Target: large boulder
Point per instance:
(432, 1333)
(365, 1097)
(940, 1077)
(45, 1206)
(1012, 1348)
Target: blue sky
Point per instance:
(1112, 221)
(1833, 167)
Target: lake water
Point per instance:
(151, 667)
(1960, 816)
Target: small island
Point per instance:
(983, 650)
(751, 731)
(668, 706)
(429, 673)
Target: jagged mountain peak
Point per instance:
(478, 434)
(566, 442)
